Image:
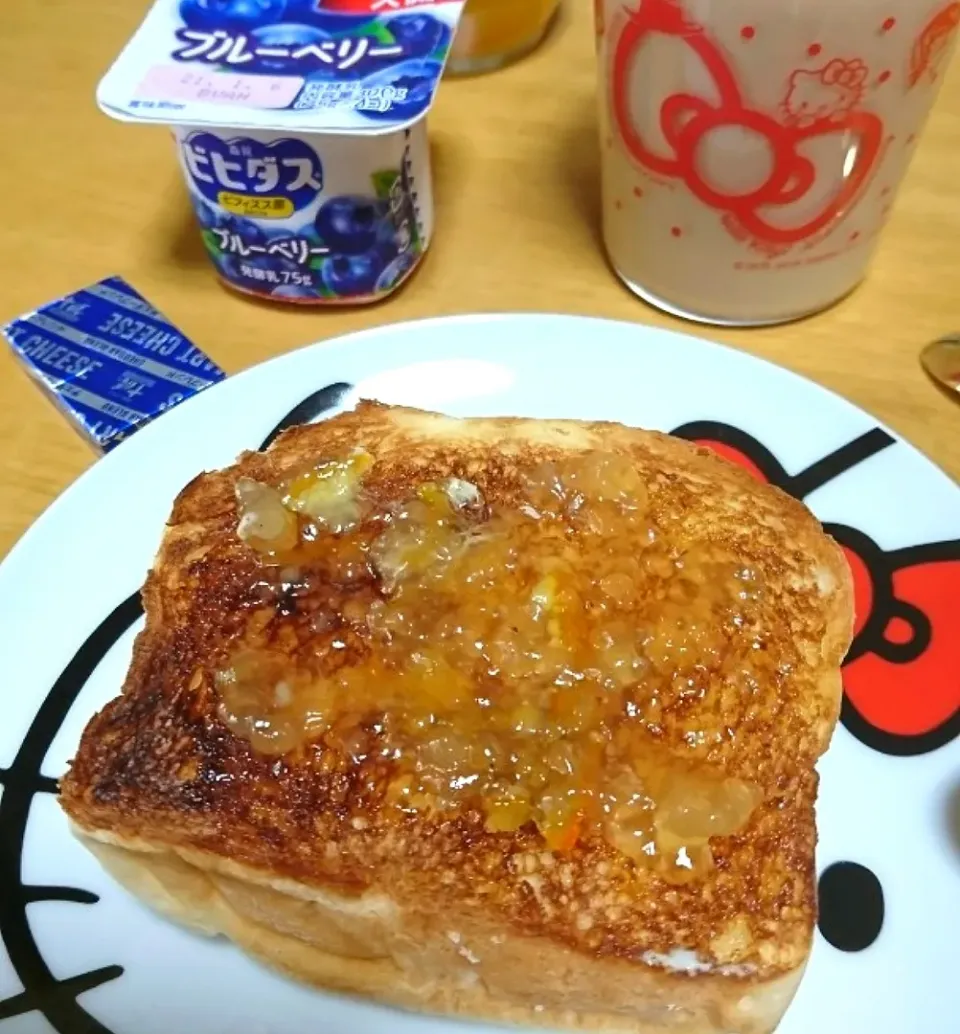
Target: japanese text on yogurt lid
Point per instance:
(311, 66)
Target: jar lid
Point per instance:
(309, 66)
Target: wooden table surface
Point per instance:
(516, 169)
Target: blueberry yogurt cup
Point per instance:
(301, 130)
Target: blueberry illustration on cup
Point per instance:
(347, 275)
(396, 271)
(420, 35)
(235, 15)
(207, 216)
(350, 225)
(245, 230)
(411, 84)
(387, 245)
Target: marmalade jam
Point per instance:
(514, 658)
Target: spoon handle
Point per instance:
(941, 360)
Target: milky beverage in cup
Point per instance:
(751, 149)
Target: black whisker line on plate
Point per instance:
(43, 993)
(39, 784)
(69, 989)
(55, 999)
(75, 986)
(838, 462)
(16, 1006)
(313, 406)
(33, 893)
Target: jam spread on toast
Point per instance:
(516, 657)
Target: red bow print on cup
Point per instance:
(901, 677)
(933, 45)
(820, 103)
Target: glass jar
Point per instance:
(493, 33)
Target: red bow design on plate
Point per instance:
(901, 678)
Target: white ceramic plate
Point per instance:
(83, 958)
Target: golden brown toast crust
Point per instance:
(467, 965)
(158, 766)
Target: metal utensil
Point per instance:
(941, 360)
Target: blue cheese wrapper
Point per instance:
(109, 360)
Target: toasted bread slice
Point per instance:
(639, 610)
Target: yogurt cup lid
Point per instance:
(308, 66)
